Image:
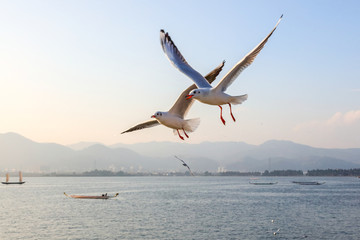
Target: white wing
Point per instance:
(182, 105)
(229, 78)
(175, 57)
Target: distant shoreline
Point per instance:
(355, 172)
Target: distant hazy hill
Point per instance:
(238, 156)
(18, 152)
(82, 145)
(219, 151)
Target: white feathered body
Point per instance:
(175, 122)
(213, 97)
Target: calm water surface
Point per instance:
(180, 208)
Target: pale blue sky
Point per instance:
(75, 71)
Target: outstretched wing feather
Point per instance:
(148, 124)
(179, 62)
(229, 78)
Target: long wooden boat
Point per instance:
(263, 183)
(19, 182)
(12, 183)
(309, 183)
(103, 196)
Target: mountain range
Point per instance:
(20, 153)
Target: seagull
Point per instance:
(277, 231)
(204, 92)
(185, 165)
(174, 118)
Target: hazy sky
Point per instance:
(75, 71)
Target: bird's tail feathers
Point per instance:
(239, 99)
(192, 124)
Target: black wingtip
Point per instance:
(281, 15)
(222, 65)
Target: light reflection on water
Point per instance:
(180, 208)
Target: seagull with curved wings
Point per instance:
(205, 93)
(185, 165)
(174, 118)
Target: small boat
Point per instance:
(103, 196)
(309, 183)
(19, 182)
(263, 183)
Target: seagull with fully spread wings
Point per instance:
(204, 92)
(185, 165)
(174, 118)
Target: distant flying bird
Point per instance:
(185, 165)
(205, 93)
(277, 231)
(174, 118)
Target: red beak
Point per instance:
(189, 96)
(153, 116)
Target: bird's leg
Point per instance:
(182, 138)
(185, 133)
(231, 112)
(222, 119)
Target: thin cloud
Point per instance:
(337, 120)
(347, 118)
(341, 130)
(352, 116)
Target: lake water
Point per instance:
(180, 208)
